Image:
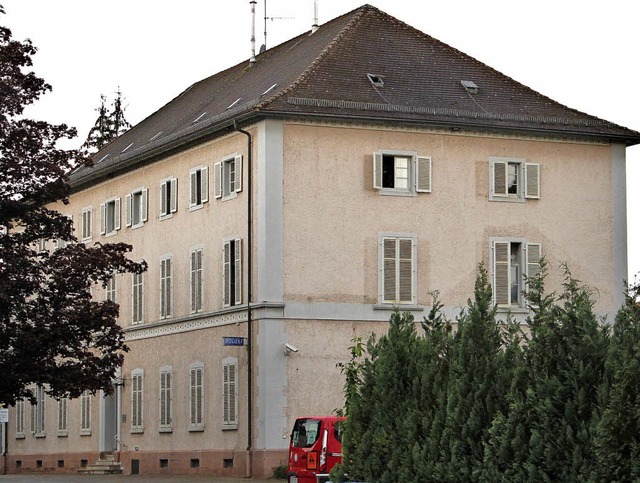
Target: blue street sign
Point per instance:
(234, 341)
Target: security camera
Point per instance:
(289, 349)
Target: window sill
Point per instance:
(40, 435)
(85, 432)
(196, 207)
(139, 225)
(196, 429)
(63, 434)
(137, 430)
(87, 240)
(166, 216)
(230, 427)
(230, 196)
(507, 199)
(396, 192)
(513, 310)
(20, 436)
(400, 307)
(167, 429)
(111, 233)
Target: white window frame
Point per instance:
(196, 280)
(110, 216)
(110, 289)
(85, 413)
(137, 298)
(137, 401)
(200, 186)
(165, 393)
(500, 249)
(384, 273)
(196, 396)
(418, 173)
(136, 208)
(20, 416)
(63, 417)
(232, 272)
(86, 224)
(166, 287)
(528, 179)
(168, 197)
(38, 413)
(227, 177)
(59, 242)
(230, 393)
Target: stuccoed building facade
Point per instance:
(297, 199)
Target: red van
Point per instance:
(315, 448)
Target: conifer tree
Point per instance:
(110, 124)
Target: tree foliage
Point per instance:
(52, 332)
(110, 124)
(555, 400)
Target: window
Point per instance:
(87, 224)
(20, 408)
(85, 413)
(232, 272)
(230, 393)
(198, 187)
(136, 205)
(59, 242)
(37, 412)
(512, 261)
(165, 400)
(137, 400)
(513, 179)
(41, 245)
(196, 280)
(110, 216)
(168, 197)
(166, 287)
(63, 415)
(401, 173)
(137, 298)
(397, 269)
(196, 397)
(110, 289)
(228, 177)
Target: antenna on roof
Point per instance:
(314, 26)
(252, 60)
(263, 47)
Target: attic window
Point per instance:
(199, 117)
(127, 147)
(470, 86)
(156, 136)
(234, 103)
(376, 80)
(103, 158)
(269, 89)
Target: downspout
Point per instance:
(249, 285)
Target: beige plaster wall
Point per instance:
(332, 214)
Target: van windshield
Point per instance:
(305, 433)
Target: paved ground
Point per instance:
(126, 479)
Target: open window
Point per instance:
(513, 179)
(513, 261)
(401, 173)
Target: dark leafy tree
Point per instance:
(617, 432)
(51, 331)
(109, 125)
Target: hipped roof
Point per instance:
(324, 75)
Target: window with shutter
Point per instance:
(85, 413)
(87, 224)
(63, 414)
(137, 400)
(401, 173)
(397, 266)
(196, 280)
(513, 179)
(166, 287)
(20, 409)
(230, 393)
(110, 217)
(232, 272)
(198, 187)
(512, 261)
(38, 413)
(168, 197)
(166, 409)
(196, 397)
(110, 289)
(228, 177)
(137, 298)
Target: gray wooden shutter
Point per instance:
(501, 284)
(534, 254)
(116, 215)
(499, 178)
(405, 270)
(532, 181)
(238, 271)
(204, 181)
(174, 195)
(226, 273)
(423, 174)
(145, 204)
(217, 180)
(238, 176)
(127, 210)
(389, 282)
(193, 189)
(377, 171)
(103, 219)
(164, 209)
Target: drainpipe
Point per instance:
(249, 285)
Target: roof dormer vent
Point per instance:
(234, 103)
(470, 86)
(376, 79)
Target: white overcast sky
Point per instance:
(582, 53)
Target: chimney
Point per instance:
(252, 60)
(314, 27)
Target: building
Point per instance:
(288, 204)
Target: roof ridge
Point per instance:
(358, 13)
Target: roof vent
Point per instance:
(103, 158)
(234, 103)
(376, 80)
(156, 136)
(269, 89)
(127, 147)
(199, 117)
(470, 86)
